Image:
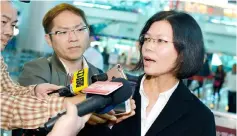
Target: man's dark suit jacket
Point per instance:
(183, 115)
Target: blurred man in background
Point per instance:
(94, 56)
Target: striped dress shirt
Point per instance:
(20, 108)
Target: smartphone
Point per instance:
(123, 108)
(117, 72)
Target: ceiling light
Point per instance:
(91, 5)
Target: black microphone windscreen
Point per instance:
(99, 77)
(123, 93)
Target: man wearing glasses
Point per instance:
(67, 33)
(22, 107)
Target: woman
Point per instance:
(172, 49)
(218, 81)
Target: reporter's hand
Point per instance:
(130, 114)
(122, 117)
(110, 117)
(101, 118)
(70, 123)
(42, 90)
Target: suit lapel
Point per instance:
(175, 108)
(59, 74)
(91, 71)
(90, 74)
(137, 120)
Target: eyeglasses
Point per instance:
(146, 39)
(76, 31)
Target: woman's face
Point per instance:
(158, 51)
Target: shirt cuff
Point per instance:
(56, 104)
(32, 89)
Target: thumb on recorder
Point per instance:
(42, 90)
(70, 123)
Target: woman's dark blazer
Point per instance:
(183, 115)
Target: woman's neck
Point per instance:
(160, 84)
(154, 85)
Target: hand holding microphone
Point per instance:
(101, 118)
(115, 113)
(98, 102)
(70, 122)
(78, 83)
(42, 90)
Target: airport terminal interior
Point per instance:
(115, 26)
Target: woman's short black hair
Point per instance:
(188, 42)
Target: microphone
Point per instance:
(72, 89)
(98, 102)
(78, 83)
(99, 77)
